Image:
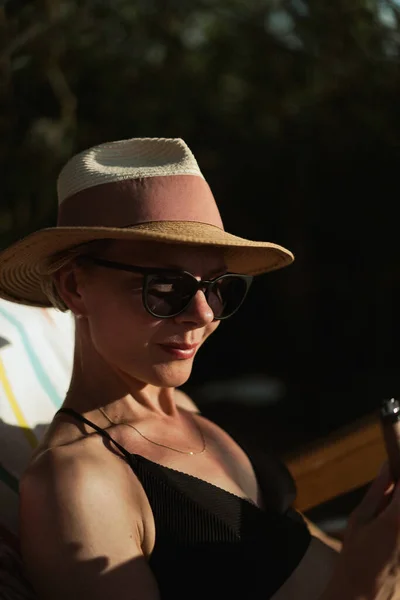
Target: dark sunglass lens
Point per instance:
(168, 295)
(226, 295)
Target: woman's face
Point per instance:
(149, 349)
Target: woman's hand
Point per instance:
(368, 567)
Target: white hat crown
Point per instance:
(134, 158)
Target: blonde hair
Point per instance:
(56, 262)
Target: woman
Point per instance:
(133, 494)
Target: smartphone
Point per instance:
(390, 421)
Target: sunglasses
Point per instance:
(167, 293)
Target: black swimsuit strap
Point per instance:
(102, 432)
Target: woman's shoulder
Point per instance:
(55, 466)
(64, 484)
(78, 503)
(63, 441)
(73, 461)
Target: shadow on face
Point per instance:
(123, 332)
(202, 262)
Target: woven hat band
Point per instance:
(132, 201)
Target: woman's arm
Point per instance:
(82, 531)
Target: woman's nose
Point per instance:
(198, 311)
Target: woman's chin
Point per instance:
(172, 375)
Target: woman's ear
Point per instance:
(69, 281)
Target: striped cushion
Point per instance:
(36, 350)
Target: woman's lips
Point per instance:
(180, 351)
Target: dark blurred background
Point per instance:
(292, 109)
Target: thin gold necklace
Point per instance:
(157, 443)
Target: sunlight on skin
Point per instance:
(120, 334)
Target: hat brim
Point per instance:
(21, 265)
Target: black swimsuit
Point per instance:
(211, 544)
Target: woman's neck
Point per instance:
(96, 384)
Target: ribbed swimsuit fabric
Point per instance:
(212, 544)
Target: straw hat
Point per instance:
(148, 189)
